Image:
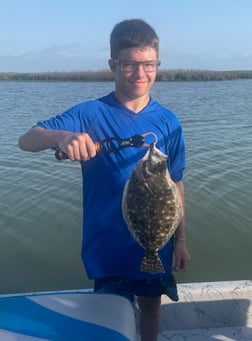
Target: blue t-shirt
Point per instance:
(108, 249)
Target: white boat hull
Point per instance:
(205, 311)
(66, 316)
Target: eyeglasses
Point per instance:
(131, 65)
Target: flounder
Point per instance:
(152, 207)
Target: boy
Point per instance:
(111, 256)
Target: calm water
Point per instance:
(40, 207)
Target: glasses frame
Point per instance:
(134, 65)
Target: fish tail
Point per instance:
(151, 263)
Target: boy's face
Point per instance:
(133, 83)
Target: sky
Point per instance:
(73, 35)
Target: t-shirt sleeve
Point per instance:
(177, 153)
(70, 120)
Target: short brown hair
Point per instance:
(132, 33)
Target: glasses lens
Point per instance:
(149, 66)
(129, 65)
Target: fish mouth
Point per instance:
(155, 155)
(151, 153)
(152, 148)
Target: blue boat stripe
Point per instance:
(21, 315)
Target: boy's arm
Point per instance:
(182, 256)
(78, 146)
(37, 139)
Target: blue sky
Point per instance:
(67, 35)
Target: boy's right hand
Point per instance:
(78, 146)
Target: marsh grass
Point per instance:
(106, 76)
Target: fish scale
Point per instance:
(152, 207)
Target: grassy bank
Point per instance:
(106, 75)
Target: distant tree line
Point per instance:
(107, 76)
(202, 75)
(57, 76)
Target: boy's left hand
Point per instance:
(182, 256)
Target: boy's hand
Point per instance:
(182, 256)
(78, 146)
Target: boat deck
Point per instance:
(223, 334)
(209, 311)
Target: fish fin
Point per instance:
(124, 201)
(151, 263)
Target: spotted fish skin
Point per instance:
(152, 207)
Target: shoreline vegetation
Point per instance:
(106, 76)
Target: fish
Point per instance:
(151, 207)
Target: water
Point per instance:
(40, 206)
